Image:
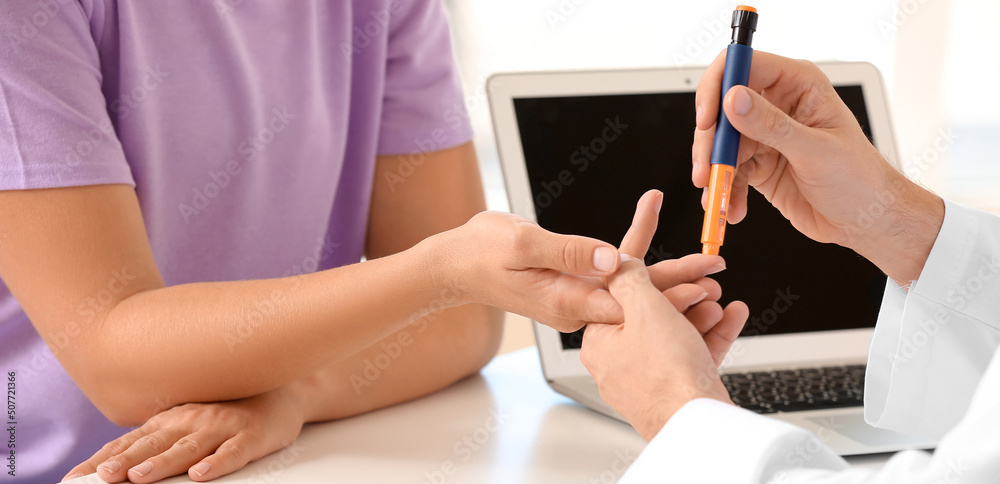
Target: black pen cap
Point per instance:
(744, 24)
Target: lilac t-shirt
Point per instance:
(249, 129)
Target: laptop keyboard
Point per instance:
(799, 389)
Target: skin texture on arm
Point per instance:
(803, 149)
(153, 343)
(149, 346)
(442, 347)
(211, 440)
(446, 345)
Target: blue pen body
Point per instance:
(726, 146)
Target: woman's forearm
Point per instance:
(226, 340)
(426, 356)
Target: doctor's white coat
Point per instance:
(933, 371)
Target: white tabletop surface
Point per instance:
(505, 426)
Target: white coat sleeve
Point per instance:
(932, 345)
(932, 348)
(713, 442)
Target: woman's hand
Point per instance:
(511, 263)
(559, 280)
(205, 440)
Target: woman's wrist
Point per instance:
(449, 273)
(298, 397)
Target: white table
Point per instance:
(506, 426)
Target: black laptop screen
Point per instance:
(590, 158)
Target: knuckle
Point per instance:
(155, 422)
(189, 445)
(608, 305)
(709, 284)
(487, 219)
(688, 291)
(152, 441)
(749, 168)
(813, 99)
(216, 412)
(622, 292)
(558, 307)
(633, 276)
(812, 68)
(520, 237)
(480, 217)
(570, 254)
(231, 452)
(114, 447)
(777, 123)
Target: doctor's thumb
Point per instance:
(758, 119)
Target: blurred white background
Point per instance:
(936, 56)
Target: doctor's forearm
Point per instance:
(902, 235)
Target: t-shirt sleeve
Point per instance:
(54, 125)
(423, 108)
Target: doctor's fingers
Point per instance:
(782, 77)
(750, 154)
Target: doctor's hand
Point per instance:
(803, 149)
(656, 361)
(206, 441)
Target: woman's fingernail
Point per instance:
(201, 468)
(110, 466)
(659, 203)
(604, 259)
(72, 476)
(697, 113)
(699, 299)
(142, 469)
(741, 101)
(715, 269)
(625, 258)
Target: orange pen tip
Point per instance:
(710, 249)
(747, 8)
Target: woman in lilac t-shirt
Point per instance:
(186, 189)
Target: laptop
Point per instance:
(578, 149)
